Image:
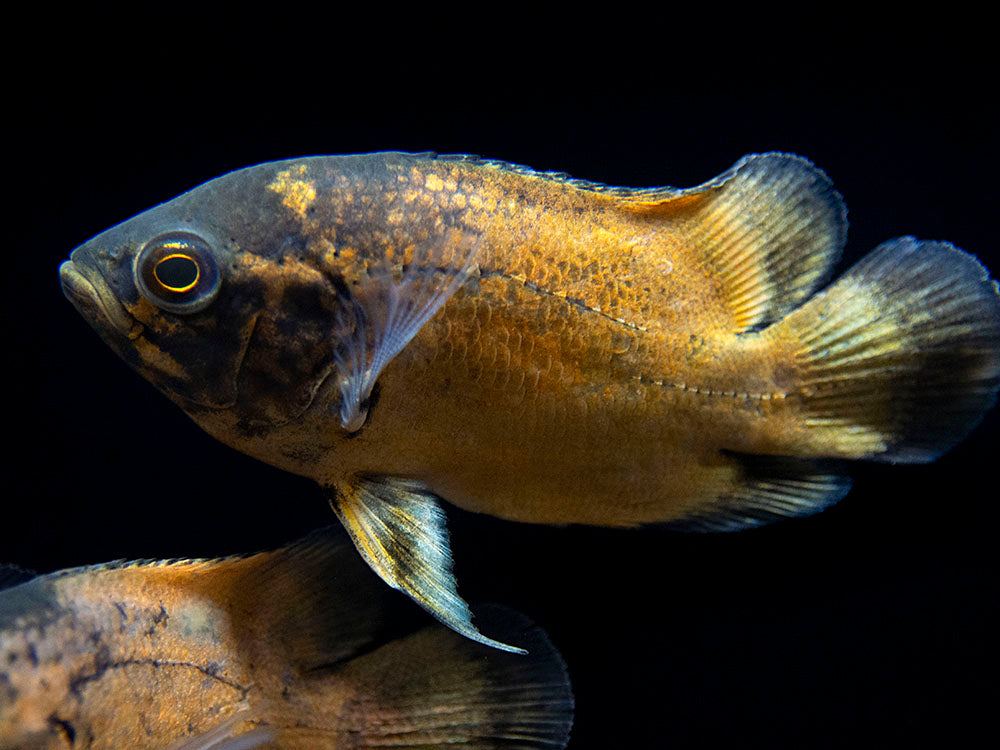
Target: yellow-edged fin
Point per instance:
(896, 361)
(386, 309)
(770, 230)
(436, 689)
(900, 358)
(399, 528)
(221, 736)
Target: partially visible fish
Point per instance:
(300, 648)
(404, 327)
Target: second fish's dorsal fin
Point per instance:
(399, 529)
(314, 597)
(770, 230)
(386, 308)
(435, 689)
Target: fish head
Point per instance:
(213, 298)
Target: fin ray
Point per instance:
(772, 488)
(384, 314)
(305, 599)
(434, 688)
(770, 229)
(900, 358)
(220, 737)
(399, 528)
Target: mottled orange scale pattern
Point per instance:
(589, 372)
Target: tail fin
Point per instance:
(436, 688)
(900, 358)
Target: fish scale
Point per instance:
(404, 329)
(299, 648)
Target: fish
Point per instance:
(301, 647)
(411, 328)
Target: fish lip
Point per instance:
(92, 296)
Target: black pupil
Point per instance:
(177, 272)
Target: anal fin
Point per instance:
(399, 528)
(771, 488)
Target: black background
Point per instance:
(868, 625)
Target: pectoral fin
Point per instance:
(399, 528)
(222, 736)
(383, 311)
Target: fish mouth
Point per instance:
(91, 295)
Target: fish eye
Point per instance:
(176, 272)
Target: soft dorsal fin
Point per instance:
(315, 598)
(771, 229)
(437, 689)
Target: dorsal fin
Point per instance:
(316, 598)
(435, 688)
(770, 229)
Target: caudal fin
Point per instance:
(900, 358)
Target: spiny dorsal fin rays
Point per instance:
(384, 314)
(220, 737)
(399, 528)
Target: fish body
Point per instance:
(403, 327)
(300, 647)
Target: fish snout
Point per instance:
(87, 289)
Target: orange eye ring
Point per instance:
(177, 272)
(165, 279)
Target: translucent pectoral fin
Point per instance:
(386, 309)
(399, 528)
(223, 737)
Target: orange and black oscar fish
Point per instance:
(300, 648)
(409, 327)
